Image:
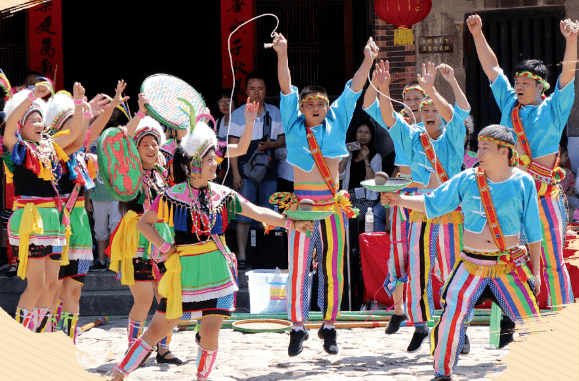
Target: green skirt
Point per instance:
(53, 229)
(206, 276)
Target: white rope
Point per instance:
(233, 74)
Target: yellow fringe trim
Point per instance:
(495, 271)
(448, 218)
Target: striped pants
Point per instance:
(438, 238)
(398, 261)
(553, 225)
(328, 238)
(459, 296)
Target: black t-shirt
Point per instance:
(357, 173)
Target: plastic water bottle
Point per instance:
(369, 221)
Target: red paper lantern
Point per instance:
(402, 14)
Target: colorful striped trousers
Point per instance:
(437, 239)
(553, 225)
(398, 261)
(328, 239)
(459, 296)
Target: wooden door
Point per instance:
(320, 37)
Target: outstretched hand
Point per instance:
(382, 74)
(389, 198)
(569, 29)
(251, 111)
(371, 50)
(474, 23)
(279, 43)
(426, 81)
(98, 103)
(119, 99)
(447, 72)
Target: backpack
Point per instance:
(256, 167)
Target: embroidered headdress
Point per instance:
(37, 106)
(58, 111)
(199, 140)
(149, 126)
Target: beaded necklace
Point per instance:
(45, 154)
(205, 213)
(150, 183)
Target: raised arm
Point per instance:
(486, 56)
(371, 93)
(283, 73)
(426, 81)
(98, 126)
(448, 74)
(370, 54)
(10, 139)
(79, 121)
(132, 125)
(382, 75)
(570, 31)
(242, 145)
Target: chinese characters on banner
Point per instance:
(437, 44)
(45, 40)
(233, 14)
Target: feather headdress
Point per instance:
(60, 108)
(37, 106)
(5, 86)
(149, 126)
(199, 140)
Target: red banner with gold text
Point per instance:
(233, 14)
(45, 40)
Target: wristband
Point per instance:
(78, 102)
(88, 115)
(140, 114)
(31, 96)
(165, 247)
(290, 224)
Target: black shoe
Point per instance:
(507, 331)
(329, 336)
(98, 266)
(447, 378)
(394, 323)
(12, 271)
(162, 359)
(417, 339)
(466, 347)
(297, 338)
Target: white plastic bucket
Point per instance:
(268, 291)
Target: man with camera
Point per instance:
(255, 173)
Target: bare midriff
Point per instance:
(314, 175)
(483, 241)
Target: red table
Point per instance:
(375, 252)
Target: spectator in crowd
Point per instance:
(267, 134)
(223, 102)
(360, 165)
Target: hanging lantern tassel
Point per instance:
(403, 36)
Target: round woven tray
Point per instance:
(262, 325)
(162, 90)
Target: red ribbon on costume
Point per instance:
(325, 172)
(430, 154)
